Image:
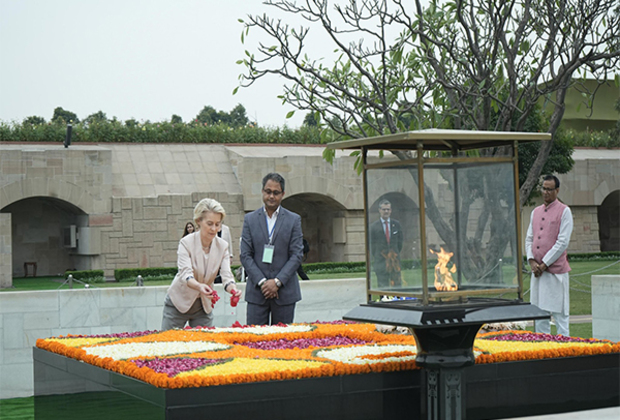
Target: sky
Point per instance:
(142, 59)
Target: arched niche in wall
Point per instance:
(609, 222)
(317, 213)
(42, 232)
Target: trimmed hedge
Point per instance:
(335, 267)
(148, 273)
(163, 273)
(87, 276)
(591, 256)
(162, 132)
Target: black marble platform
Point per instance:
(69, 389)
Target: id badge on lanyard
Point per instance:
(268, 254)
(269, 248)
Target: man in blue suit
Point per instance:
(271, 252)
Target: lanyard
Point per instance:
(272, 228)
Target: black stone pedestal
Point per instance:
(445, 335)
(68, 389)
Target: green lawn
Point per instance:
(580, 297)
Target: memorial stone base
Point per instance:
(69, 389)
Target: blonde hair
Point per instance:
(208, 205)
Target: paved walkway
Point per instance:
(580, 319)
(612, 413)
(574, 319)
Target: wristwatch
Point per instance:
(278, 283)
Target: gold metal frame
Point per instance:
(451, 141)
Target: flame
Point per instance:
(443, 276)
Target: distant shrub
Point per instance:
(114, 131)
(593, 256)
(87, 276)
(593, 139)
(147, 273)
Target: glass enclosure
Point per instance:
(462, 243)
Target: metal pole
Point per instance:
(68, 137)
(501, 271)
(517, 205)
(422, 206)
(364, 152)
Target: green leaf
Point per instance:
(329, 155)
(359, 167)
(290, 114)
(234, 92)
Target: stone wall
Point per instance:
(6, 261)
(145, 232)
(136, 198)
(585, 237)
(81, 176)
(28, 316)
(606, 307)
(355, 246)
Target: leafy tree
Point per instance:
(97, 117)
(34, 120)
(461, 64)
(311, 120)
(238, 116)
(615, 132)
(208, 115)
(132, 122)
(176, 119)
(63, 116)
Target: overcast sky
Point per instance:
(142, 59)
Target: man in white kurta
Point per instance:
(546, 242)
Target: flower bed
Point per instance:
(240, 354)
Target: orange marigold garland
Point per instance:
(220, 356)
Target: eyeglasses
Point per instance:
(274, 193)
(548, 189)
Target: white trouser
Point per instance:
(561, 322)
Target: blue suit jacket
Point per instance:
(287, 256)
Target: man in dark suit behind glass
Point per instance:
(386, 242)
(271, 252)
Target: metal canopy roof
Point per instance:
(436, 139)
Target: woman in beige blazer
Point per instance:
(200, 256)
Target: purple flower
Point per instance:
(173, 366)
(302, 343)
(537, 337)
(120, 335)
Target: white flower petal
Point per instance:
(158, 348)
(352, 355)
(261, 330)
